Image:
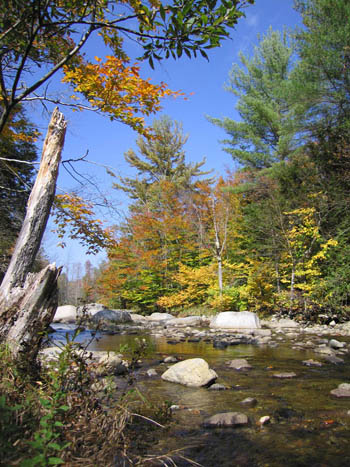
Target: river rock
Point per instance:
(170, 359)
(187, 321)
(239, 364)
(159, 317)
(151, 372)
(284, 375)
(194, 372)
(106, 317)
(284, 323)
(235, 320)
(110, 363)
(249, 402)
(226, 419)
(264, 420)
(217, 387)
(333, 359)
(311, 362)
(343, 390)
(65, 314)
(137, 318)
(324, 350)
(334, 344)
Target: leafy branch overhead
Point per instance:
(38, 39)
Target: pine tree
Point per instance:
(161, 159)
(265, 133)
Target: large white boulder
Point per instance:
(235, 320)
(194, 372)
(65, 314)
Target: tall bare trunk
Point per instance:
(28, 301)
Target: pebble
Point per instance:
(264, 420)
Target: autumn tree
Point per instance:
(38, 40)
(151, 243)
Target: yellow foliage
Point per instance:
(194, 283)
(115, 88)
(73, 214)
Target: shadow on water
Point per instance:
(308, 427)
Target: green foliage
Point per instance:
(40, 39)
(17, 152)
(323, 74)
(265, 133)
(58, 414)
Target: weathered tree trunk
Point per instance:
(28, 302)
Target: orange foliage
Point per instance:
(73, 213)
(117, 89)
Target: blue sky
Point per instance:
(107, 142)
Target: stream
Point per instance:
(309, 427)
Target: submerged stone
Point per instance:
(239, 364)
(284, 375)
(311, 362)
(249, 402)
(217, 387)
(226, 419)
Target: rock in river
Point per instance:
(235, 320)
(106, 317)
(65, 314)
(239, 364)
(194, 372)
(226, 419)
(343, 390)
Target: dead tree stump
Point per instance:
(29, 301)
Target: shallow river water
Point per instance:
(309, 427)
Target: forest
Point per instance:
(272, 234)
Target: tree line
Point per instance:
(273, 234)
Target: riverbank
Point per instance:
(290, 378)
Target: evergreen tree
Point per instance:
(322, 78)
(161, 159)
(265, 133)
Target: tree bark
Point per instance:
(28, 301)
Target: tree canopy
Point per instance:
(40, 39)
